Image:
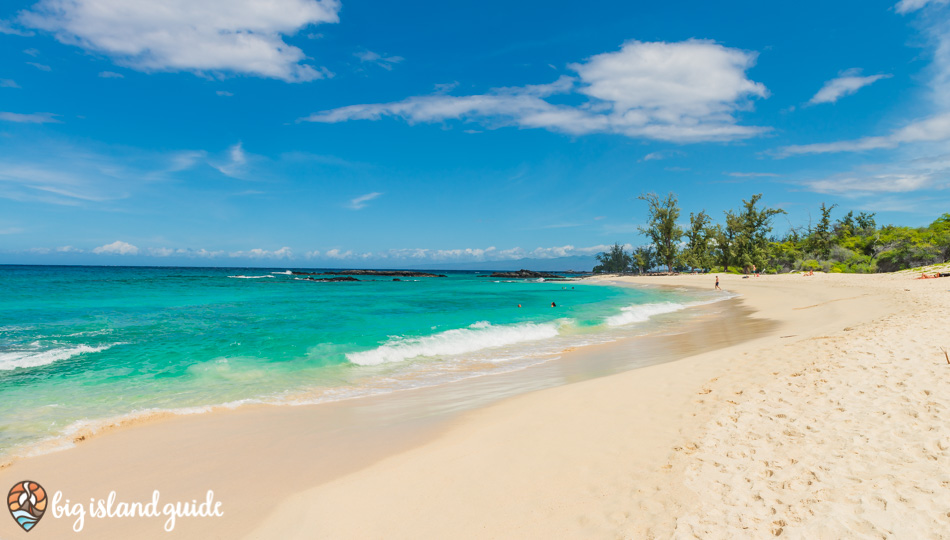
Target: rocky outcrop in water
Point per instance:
(389, 273)
(340, 278)
(524, 274)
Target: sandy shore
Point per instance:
(833, 422)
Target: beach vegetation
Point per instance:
(662, 228)
(698, 253)
(644, 258)
(853, 243)
(614, 261)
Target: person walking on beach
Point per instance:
(717, 284)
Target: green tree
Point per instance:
(643, 258)
(662, 228)
(699, 239)
(725, 236)
(751, 239)
(821, 239)
(615, 261)
(865, 222)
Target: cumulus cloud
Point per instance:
(684, 92)
(385, 62)
(207, 37)
(338, 254)
(184, 252)
(360, 202)
(257, 253)
(847, 83)
(34, 118)
(116, 248)
(8, 83)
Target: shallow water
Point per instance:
(79, 345)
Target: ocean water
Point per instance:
(80, 346)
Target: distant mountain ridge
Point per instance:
(579, 263)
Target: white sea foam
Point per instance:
(285, 272)
(481, 335)
(642, 312)
(250, 277)
(28, 359)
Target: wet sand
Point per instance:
(811, 407)
(256, 457)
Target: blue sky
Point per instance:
(360, 133)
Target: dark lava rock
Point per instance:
(396, 279)
(524, 274)
(340, 278)
(399, 273)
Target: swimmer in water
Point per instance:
(553, 304)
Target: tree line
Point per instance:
(744, 240)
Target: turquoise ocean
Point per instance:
(83, 346)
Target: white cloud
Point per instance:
(34, 118)
(484, 254)
(257, 253)
(41, 67)
(684, 92)
(849, 185)
(752, 175)
(207, 37)
(7, 28)
(8, 83)
(111, 75)
(69, 249)
(935, 128)
(11, 230)
(907, 6)
(653, 156)
(385, 62)
(116, 248)
(929, 129)
(360, 202)
(337, 254)
(236, 161)
(847, 83)
(224, 93)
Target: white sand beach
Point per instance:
(832, 424)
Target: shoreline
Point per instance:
(85, 430)
(593, 457)
(364, 431)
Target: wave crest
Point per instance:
(28, 359)
(481, 335)
(642, 313)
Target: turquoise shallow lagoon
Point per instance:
(81, 345)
